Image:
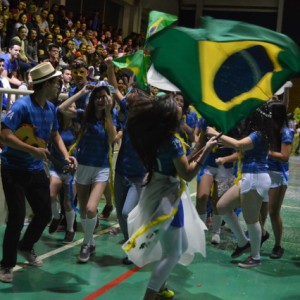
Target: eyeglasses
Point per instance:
(100, 98)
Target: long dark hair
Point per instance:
(279, 118)
(268, 119)
(151, 121)
(89, 113)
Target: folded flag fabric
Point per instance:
(225, 68)
(158, 21)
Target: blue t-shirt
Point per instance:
(10, 66)
(168, 151)
(220, 152)
(93, 147)
(82, 101)
(286, 138)
(255, 160)
(44, 122)
(128, 162)
(69, 137)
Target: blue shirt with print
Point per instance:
(93, 147)
(168, 151)
(44, 122)
(255, 160)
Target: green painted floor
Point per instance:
(210, 278)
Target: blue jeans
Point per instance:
(127, 193)
(16, 186)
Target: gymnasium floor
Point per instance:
(211, 278)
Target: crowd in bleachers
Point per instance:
(52, 33)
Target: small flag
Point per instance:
(158, 21)
(138, 63)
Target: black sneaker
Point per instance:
(69, 237)
(277, 252)
(240, 250)
(6, 275)
(54, 224)
(106, 211)
(127, 261)
(84, 254)
(92, 249)
(264, 238)
(31, 257)
(250, 262)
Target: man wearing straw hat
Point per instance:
(22, 167)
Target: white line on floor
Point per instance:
(66, 247)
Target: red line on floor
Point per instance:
(111, 284)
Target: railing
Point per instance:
(19, 93)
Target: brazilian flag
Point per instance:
(158, 21)
(138, 63)
(226, 68)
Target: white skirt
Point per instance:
(150, 219)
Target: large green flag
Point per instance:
(158, 21)
(226, 68)
(138, 63)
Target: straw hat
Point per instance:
(42, 72)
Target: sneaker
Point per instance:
(31, 257)
(127, 261)
(69, 237)
(240, 250)
(215, 240)
(264, 238)
(166, 293)
(54, 224)
(250, 262)
(84, 254)
(6, 275)
(92, 249)
(106, 211)
(277, 252)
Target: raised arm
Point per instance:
(187, 170)
(112, 79)
(64, 107)
(239, 145)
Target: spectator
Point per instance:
(24, 62)
(53, 56)
(4, 83)
(69, 50)
(78, 38)
(66, 80)
(11, 65)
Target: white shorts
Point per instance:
(90, 175)
(260, 182)
(65, 178)
(277, 179)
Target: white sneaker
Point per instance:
(215, 239)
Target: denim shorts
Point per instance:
(278, 178)
(89, 175)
